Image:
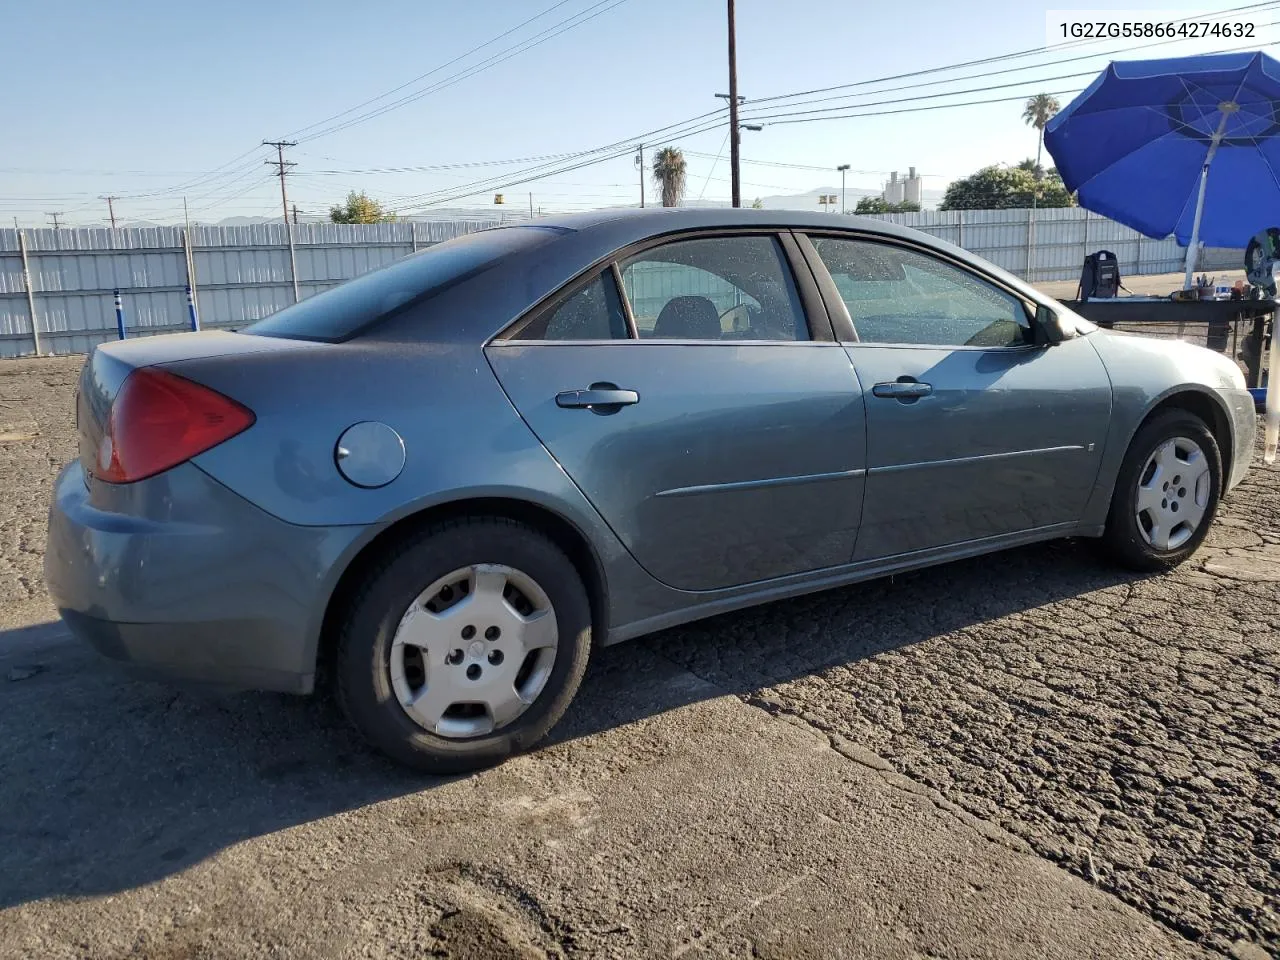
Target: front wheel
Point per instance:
(1166, 494)
(464, 646)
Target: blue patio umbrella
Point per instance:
(1188, 146)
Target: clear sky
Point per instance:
(151, 100)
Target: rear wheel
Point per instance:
(1166, 494)
(464, 646)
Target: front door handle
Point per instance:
(604, 397)
(905, 390)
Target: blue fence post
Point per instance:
(191, 309)
(119, 315)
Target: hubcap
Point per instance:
(474, 650)
(1173, 493)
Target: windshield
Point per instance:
(347, 309)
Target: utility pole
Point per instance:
(530, 204)
(295, 213)
(734, 133)
(842, 168)
(282, 170)
(111, 210)
(640, 164)
(53, 218)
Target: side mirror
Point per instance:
(1049, 326)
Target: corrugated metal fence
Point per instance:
(243, 273)
(240, 275)
(1048, 244)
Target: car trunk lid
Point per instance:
(110, 364)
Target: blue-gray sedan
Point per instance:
(447, 480)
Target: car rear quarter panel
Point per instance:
(463, 441)
(1144, 373)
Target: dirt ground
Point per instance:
(1027, 755)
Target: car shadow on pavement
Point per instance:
(108, 783)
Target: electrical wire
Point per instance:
(993, 73)
(431, 72)
(503, 56)
(779, 119)
(1005, 56)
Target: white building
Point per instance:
(909, 189)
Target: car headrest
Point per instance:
(688, 318)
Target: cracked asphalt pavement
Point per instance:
(1029, 754)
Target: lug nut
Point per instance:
(454, 657)
(473, 672)
(493, 633)
(468, 632)
(495, 657)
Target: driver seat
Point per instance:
(687, 318)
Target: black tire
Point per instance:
(362, 675)
(1123, 540)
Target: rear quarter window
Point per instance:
(347, 309)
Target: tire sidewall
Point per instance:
(364, 676)
(1122, 527)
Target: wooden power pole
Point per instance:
(282, 170)
(734, 131)
(111, 210)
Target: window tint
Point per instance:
(342, 311)
(714, 288)
(896, 295)
(593, 313)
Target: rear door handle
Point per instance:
(902, 390)
(605, 395)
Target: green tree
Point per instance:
(881, 205)
(360, 208)
(1037, 112)
(757, 204)
(1001, 187)
(669, 171)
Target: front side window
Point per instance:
(896, 295)
(714, 288)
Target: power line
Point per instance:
(992, 73)
(431, 72)
(926, 96)
(445, 196)
(529, 43)
(542, 171)
(940, 106)
(999, 57)
(830, 113)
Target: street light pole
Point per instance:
(842, 168)
(736, 192)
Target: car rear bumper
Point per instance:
(184, 579)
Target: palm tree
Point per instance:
(668, 174)
(1037, 112)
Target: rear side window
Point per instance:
(346, 309)
(593, 313)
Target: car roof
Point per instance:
(594, 234)
(665, 219)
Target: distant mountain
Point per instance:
(795, 201)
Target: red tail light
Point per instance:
(159, 420)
